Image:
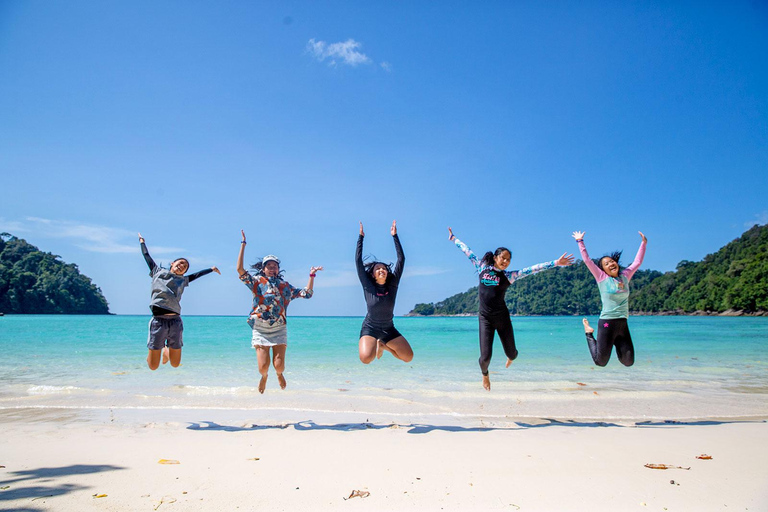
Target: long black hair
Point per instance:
(615, 256)
(488, 260)
(369, 266)
(259, 268)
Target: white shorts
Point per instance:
(265, 335)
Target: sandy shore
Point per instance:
(61, 459)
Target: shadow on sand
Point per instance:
(39, 476)
(420, 428)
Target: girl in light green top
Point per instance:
(613, 282)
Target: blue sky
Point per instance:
(515, 123)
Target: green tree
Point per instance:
(32, 281)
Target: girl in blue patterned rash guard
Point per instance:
(494, 314)
(271, 296)
(613, 283)
(380, 284)
(166, 327)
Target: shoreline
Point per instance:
(727, 313)
(132, 415)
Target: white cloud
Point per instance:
(386, 66)
(11, 226)
(88, 237)
(760, 219)
(346, 53)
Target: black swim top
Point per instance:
(380, 299)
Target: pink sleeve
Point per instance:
(630, 270)
(596, 271)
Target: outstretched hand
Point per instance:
(243, 234)
(393, 229)
(578, 235)
(216, 270)
(451, 236)
(362, 233)
(564, 260)
(141, 239)
(313, 270)
(643, 236)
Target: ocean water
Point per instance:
(686, 368)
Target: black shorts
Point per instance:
(382, 333)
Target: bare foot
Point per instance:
(379, 349)
(587, 328)
(166, 355)
(281, 381)
(509, 362)
(263, 384)
(487, 382)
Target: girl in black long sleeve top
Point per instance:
(380, 284)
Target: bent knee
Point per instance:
(366, 359)
(407, 358)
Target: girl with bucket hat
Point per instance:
(271, 296)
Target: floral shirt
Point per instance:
(271, 297)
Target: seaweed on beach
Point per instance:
(358, 494)
(665, 466)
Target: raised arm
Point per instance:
(597, 272)
(630, 270)
(359, 258)
(398, 270)
(312, 273)
(202, 273)
(150, 262)
(241, 255)
(465, 249)
(514, 275)
(563, 261)
(305, 293)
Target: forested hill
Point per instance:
(38, 282)
(734, 278)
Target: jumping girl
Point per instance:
(613, 283)
(494, 314)
(166, 327)
(380, 282)
(271, 296)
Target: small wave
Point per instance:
(52, 390)
(216, 390)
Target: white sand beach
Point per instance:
(69, 460)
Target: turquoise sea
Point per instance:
(686, 367)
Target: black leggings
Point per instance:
(610, 333)
(488, 325)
